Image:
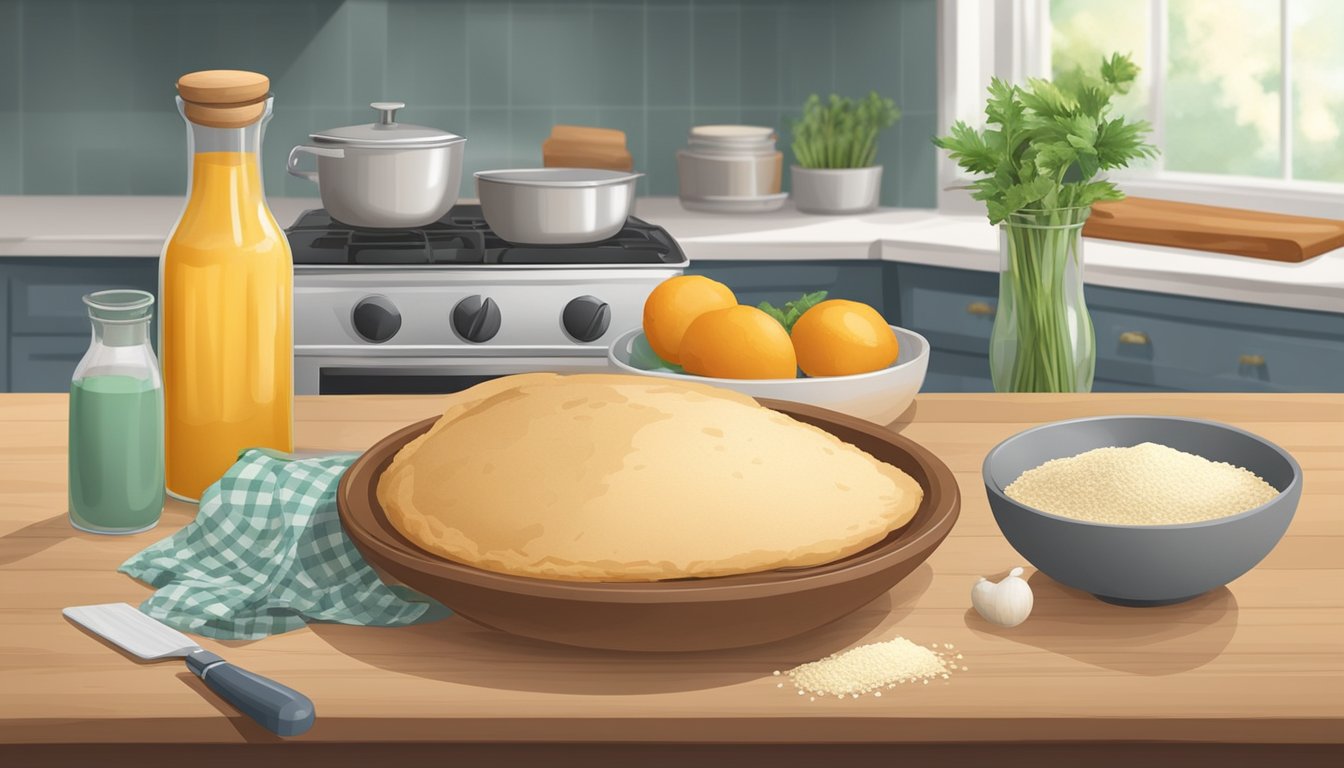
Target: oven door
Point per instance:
(338, 375)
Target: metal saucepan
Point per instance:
(386, 174)
(556, 206)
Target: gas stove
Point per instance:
(463, 239)
(442, 307)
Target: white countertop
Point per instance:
(917, 236)
(59, 225)
(103, 225)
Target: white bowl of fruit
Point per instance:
(834, 354)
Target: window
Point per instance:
(1236, 87)
(1246, 97)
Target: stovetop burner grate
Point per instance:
(462, 238)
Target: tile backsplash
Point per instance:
(86, 86)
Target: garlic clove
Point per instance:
(1006, 603)
(982, 599)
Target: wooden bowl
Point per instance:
(676, 615)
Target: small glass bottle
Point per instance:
(116, 420)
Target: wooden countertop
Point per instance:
(1258, 662)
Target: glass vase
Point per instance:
(1042, 339)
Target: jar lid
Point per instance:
(732, 140)
(745, 134)
(223, 86)
(387, 132)
(224, 98)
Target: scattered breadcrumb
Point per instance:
(870, 668)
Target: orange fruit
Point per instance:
(739, 342)
(841, 338)
(674, 304)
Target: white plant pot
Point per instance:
(836, 190)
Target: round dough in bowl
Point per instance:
(599, 477)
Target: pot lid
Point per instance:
(387, 132)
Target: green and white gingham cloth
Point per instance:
(266, 554)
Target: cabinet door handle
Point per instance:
(1134, 337)
(1251, 360)
(979, 308)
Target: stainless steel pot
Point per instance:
(386, 174)
(556, 206)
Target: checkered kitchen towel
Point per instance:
(266, 554)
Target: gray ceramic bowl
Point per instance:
(1142, 564)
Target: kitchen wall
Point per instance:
(86, 86)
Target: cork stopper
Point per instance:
(224, 98)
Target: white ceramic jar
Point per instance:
(730, 168)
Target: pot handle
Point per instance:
(293, 162)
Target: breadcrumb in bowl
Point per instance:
(1136, 555)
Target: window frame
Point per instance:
(1010, 39)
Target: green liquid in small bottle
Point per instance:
(116, 454)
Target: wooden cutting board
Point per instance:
(581, 146)
(1209, 228)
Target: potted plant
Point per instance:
(1038, 165)
(835, 145)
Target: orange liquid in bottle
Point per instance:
(226, 325)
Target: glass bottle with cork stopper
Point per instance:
(226, 291)
(116, 420)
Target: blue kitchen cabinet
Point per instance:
(1190, 344)
(44, 363)
(951, 371)
(952, 308)
(1146, 342)
(777, 282)
(44, 325)
(4, 332)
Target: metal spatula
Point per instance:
(279, 709)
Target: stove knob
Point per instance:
(586, 318)
(476, 319)
(376, 319)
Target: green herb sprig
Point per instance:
(1050, 142)
(841, 133)
(792, 309)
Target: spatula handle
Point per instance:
(278, 708)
